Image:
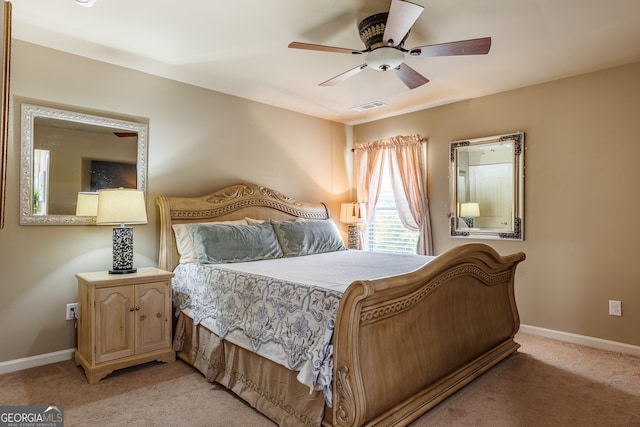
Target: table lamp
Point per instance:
(121, 206)
(469, 211)
(353, 214)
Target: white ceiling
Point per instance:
(239, 47)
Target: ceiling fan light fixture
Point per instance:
(384, 58)
(86, 3)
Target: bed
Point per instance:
(393, 346)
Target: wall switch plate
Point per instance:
(72, 311)
(615, 308)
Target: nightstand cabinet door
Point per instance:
(153, 317)
(115, 321)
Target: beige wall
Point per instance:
(199, 141)
(581, 237)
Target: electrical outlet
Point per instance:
(72, 311)
(615, 308)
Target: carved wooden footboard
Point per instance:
(405, 343)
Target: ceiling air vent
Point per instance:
(368, 106)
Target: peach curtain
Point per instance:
(369, 166)
(406, 158)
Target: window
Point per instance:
(385, 232)
(40, 181)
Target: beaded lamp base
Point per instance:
(353, 237)
(122, 251)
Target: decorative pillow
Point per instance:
(299, 238)
(184, 243)
(225, 243)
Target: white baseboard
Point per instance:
(598, 343)
(33, 361)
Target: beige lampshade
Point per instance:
(353, 213)
(469, 210)
(121, 206)
(87, 204)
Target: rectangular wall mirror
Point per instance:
(486, 187)
(65, 153)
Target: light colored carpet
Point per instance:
(547, 383)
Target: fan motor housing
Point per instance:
(371, 30)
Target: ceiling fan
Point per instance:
(384, 35)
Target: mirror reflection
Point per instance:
(66, 153)
(487, 187)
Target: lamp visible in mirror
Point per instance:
(87, 204)
(121, 206)
(469, 211)
(353, 214)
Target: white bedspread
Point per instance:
(334, 270)
(298, 320)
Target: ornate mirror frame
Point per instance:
(500, 161)
(72, 121)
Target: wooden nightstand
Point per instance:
(123, 320)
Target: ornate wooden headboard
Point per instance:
(230, 203)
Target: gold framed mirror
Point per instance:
(5, 56)
(64, 153)
(486, 187)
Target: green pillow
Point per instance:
(299, 238)
(226, 243)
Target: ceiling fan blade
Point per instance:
(402, 16)
(344, 76)
(409, 76)
(463, 47)
(309, 46)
